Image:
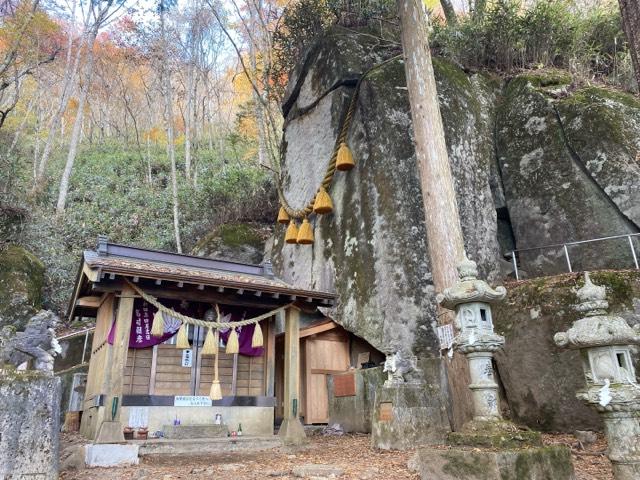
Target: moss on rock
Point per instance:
(21, 283)
(240, 242)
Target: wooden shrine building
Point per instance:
(137, 379)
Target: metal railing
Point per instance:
(86, 332)
(564, 246)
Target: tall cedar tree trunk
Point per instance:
(77, 126)
(630, 10)
(171, 148)
(444, 234)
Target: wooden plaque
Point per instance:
(385, 414)
(344, 385)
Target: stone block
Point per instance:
(316, 470)
(194, 431)
(29, 425)
(407, 415)
(353, 413)
(110, 455)
(541, 463)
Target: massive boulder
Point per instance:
(540, 379)
(569, 171)
(240, 242)
(535, 162)
(21, 282)
(372, 250)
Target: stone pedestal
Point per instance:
(543, 463)
(29, 425)
(623, 436)
(408, 414)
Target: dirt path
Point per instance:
(351, 453)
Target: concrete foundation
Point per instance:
(257, 421)
(29, 425)
(407, 415)
(354, 413)
(292, 432)
(542, 463)
(110, 455)
(110, 432)
(194, 431)
(206, 446)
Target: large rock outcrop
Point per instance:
(21, 283)
(541, 380)
(535, 162)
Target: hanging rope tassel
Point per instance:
(233, 345)
(323, 203)
(157, 329)
(182, 341)
(283, 216)
(292, 233)
(305, 234)
(216, 390)
(210, 346)
(344, 160)
(257, 340)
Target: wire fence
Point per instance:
(516, 255)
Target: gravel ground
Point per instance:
(350, 453)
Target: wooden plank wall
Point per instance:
(171, 377)
(137, 372)
(99, 350)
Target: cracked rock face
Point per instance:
(524, 171)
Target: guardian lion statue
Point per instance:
(37, 342)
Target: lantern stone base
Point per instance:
(494, 434)
(408, 414)
(543, 463)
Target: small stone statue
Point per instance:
(38, 341)
(401, 367)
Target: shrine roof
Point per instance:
(111, 264)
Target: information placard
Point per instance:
(191, 401)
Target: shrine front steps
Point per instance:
(206, 446)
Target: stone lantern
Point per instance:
(471, 299)
(605, 343)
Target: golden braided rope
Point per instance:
(331, 168)
(204, 323)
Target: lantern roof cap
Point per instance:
(597, 328)
(469, 289)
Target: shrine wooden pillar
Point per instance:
(110, 431)
(291, 430)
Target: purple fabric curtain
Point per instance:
(142, 322)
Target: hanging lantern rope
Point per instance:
(204, 323)
(338, 149)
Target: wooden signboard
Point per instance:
(385, 413)
(344, 385)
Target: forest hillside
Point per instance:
(162, 126)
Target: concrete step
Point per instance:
(205, 446)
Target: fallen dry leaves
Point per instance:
(352, 453)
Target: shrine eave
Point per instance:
(172, 275)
